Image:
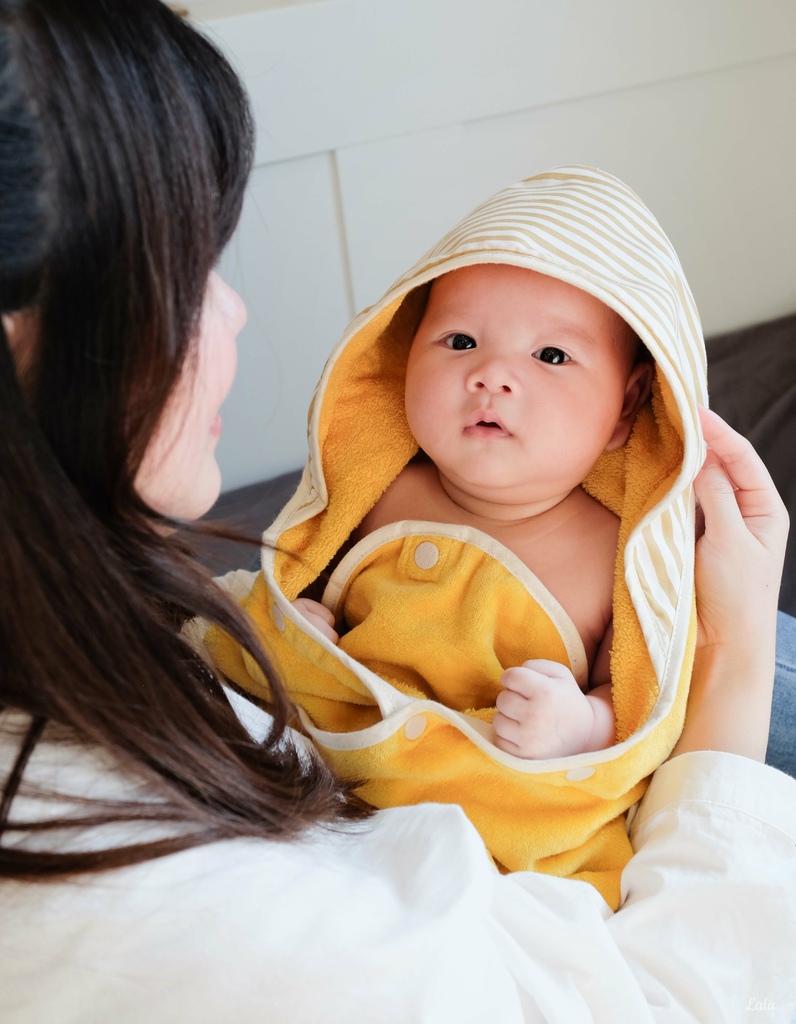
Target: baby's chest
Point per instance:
(579, 573)
(455, 587)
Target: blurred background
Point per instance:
(380, 123)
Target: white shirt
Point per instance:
(408, 921)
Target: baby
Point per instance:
(515, 384)
(496, 504)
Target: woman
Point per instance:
(124, 150)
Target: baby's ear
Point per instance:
(637, 390)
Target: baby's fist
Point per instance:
(542, 712)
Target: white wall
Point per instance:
(382, 122)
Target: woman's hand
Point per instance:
(740, 555)
(739, 559)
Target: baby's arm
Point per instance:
(319, 615)
(542, 712)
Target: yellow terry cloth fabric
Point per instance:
(563, 816)
(476, 610)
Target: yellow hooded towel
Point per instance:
(564, 816)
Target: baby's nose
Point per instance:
(492, 377)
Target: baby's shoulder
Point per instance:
(593, 530)
(406, 498)
(578, 567)
(588, 513)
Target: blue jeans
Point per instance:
(781, 751)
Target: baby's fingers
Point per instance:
(507, 733)
(318, 615)
(512, 705)
(528, 677)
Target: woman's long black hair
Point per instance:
(125, 146)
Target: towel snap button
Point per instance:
(278, 617)
(415, 727)
(426, 555)
(580, 774)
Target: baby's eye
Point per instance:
(460, 341)
(551, 355)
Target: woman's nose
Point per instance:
(231, 303)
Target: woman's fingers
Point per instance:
(734, 487)
(740, 555)
(738, 569)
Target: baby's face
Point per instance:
(517, 382)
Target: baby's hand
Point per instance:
(542, 712)
(319, 615)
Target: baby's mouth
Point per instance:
(484, 424)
